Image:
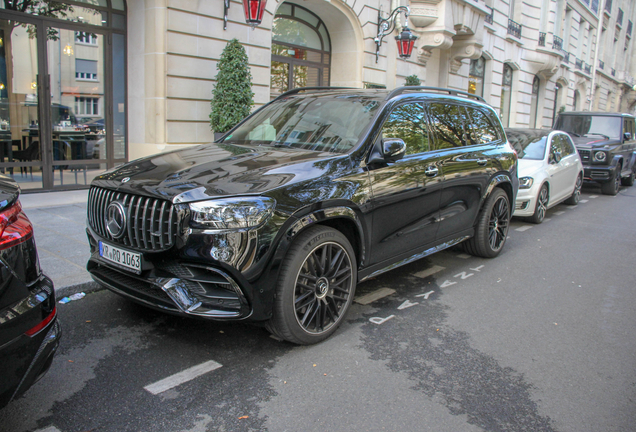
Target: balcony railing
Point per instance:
(588, 68)
(541, 39)
(578, 64)
(619, 18)
(608, 6)
(601, 64)
(613, 72)
(566, 57)
(514, 29)
(557, 43)
(490, 17)
(629, 28)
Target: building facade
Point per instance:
(130, 79)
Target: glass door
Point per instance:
(78, 125)
(20, 133)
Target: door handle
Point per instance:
(482, 162)
(431, 171)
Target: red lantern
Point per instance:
(405, 42)
(254, 10)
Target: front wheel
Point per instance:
(541, 207)
(316, 287)
(612, 186)
(576, 194)
(492, 227)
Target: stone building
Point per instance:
(152, 64)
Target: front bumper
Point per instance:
(599, 173)
(526, 202)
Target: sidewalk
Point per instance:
(59, 222)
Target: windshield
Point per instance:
(528, 146)
(321, 123)
(590, 125)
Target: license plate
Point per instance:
(121, 257)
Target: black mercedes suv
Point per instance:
(316, 191)
(606, 143)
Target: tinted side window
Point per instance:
(556, 145)
(629, 127)
(568, 146)
(448, 124)
(481, 129)
(408, 123)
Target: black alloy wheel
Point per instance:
(576, 194)
(612, 187)
(492, 227)
(316, 287)
(541, 206)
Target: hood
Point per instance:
(590, 142)
(217, 170)
(9, 191)
(529, 167)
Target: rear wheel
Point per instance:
(541, 207)
(612, 187)
(576, 194)
(492, 227)
(316, 287)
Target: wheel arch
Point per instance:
(504, 182)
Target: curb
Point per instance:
(87, 287)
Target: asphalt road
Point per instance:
(539, 339)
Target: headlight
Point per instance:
(600, 156)
(525, 182)
(232, 213)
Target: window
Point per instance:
(408, 123)
(568, 146)
(481, 130)
(86, 106)
(476, 76)
(85, 38)
(556, 146)
(449, 125)
(506, 95)
(86, 69)
(534, 102)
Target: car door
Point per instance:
(558, 168)
(406, 193)
(570, 161)
(464, 137)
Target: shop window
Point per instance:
(476, 76)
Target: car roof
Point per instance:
(594, 113)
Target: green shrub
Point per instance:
(412, 80)
(232, 97)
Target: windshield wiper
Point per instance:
(575, 134)
(598, 134)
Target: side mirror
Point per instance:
(388, 150)
(555, 157)
(627, 136)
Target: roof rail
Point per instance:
(452, 92)
(299, 89)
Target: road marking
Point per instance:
(430, 271)
(547, 219)
(373, 296)
(447, 283)
(48, 429)
(523, 228)
(425, 295)
(559, 213)
(593, 196)
(182, 377)
(478, 268)
(583, 201)
(463, 256)
(464, 275)
(571, 207)
(406, 304)
(378, 320)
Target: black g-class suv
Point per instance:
(316, 191)
(606, 143)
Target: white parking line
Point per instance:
(583, 201)
(559, 213)
(48, 429)
(463, 256)
(373, 296)
(523, 228)
(593, 196)
(430, 271)
(547, 219)
(182, 377)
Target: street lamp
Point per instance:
(405, 40)
(253, 9)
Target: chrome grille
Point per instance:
(151, 223)
(585, 155)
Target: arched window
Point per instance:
(534, 102)
(506, 95)
(301, 50)
(476, 76)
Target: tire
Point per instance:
(492, 226)
(629, 181)
(576, 194)
(315, 288)
(541, 206)
(612, 187)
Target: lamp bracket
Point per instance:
(386, 26)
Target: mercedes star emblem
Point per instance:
(116, 219)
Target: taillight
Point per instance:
(15, 227)
(42, 324)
